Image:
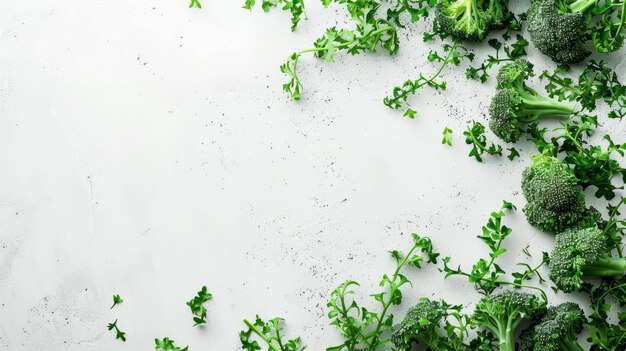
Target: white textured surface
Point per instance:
(147, 150)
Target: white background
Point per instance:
(147, 149)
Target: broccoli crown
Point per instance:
(503, 120)
(515, 74)
(515, 103)
(555, 201)
(559, 35)
(462, 19)
(557, 330)
(503, 312)
(421, 323)
(582, 252)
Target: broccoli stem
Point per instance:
(537, 106)
(582, 5)
(566, 343)
(606, 267)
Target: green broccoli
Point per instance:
(556, 331)
(421, 324)
(555, 201)
(499, 14)
(424, 323)
(503, 312)
(515, 104)
(560, 28)
(582, 252)
(462, 19)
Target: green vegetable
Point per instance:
(579, 253)
(555, 201)
(470, 19)
(560, 28)
(296, 7)
(118, 333)
(511, 53)
(427, 323)
(270, 333)
(166, 344)
(361, 328)
(453, 54)
(447, 136)
(486, 275)
(474, 136)
(596, 82)
(515, 104)
(116, 300)
(556, 331)
(197, 308)
(195, 3)
(503, 312)
(371, 32)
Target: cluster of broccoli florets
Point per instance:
(471, 19)
(583, 252)
(500, 313)
(557, 330)
(516, 104)
(560, 28)
(555, 201)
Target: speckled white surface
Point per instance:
(147, 150)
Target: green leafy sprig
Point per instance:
(370, 33)
(296, 7)
(511, 53)
(486, 275)
(361, 328)
(116, 300)
(270, 333)
(118, 333)
(452, 54)
(167, 344)
(195, 3)
(475, 136)
(197, 308)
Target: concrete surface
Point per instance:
(147, 149)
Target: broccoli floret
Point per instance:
(503, 312)
(555, 201)
(421, 324)
(499, 14)
(557, 31)
(582, 252)
(462, 19)
(556, 331)
(515, 104)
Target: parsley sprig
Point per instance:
(197, 306)
(361, 328)
(167, 344)
(270, 333)
(486, 274)
(118, 333)
(452, 55)
(296, 7)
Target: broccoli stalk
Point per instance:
(515, 103)
(611, 267)
(581, 6)
(502, 313)
(583, 252)
(462, 19)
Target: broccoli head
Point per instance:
(582, 252)
(462, 19)
(556, 331)
(558, 31)
(555, 201)
(503, 312)
(421, 324)
(515, 104)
